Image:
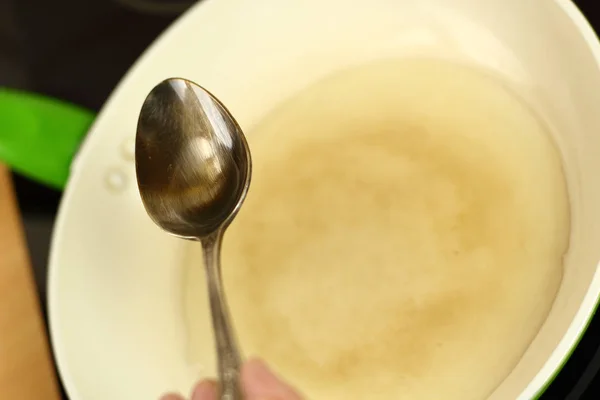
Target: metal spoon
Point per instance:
(193, 170)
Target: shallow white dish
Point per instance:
(115, 302)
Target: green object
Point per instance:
(40, 135)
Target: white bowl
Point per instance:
(115, 296)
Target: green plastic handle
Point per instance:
(39, 136)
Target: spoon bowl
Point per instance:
(193, 169)
(192, 160)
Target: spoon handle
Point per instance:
(229, 360)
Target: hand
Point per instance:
(258, 382)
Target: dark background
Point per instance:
(78, 50)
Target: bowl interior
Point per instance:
(116, 304)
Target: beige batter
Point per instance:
(402, 238)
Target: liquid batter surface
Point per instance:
(402, 238)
